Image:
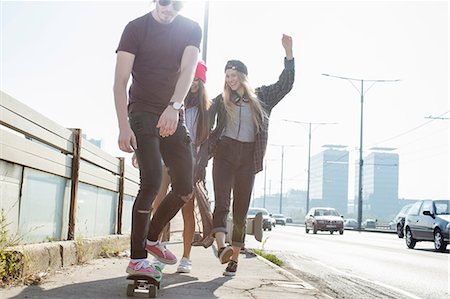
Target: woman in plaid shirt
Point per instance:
(238, 144)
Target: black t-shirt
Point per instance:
(158, 49)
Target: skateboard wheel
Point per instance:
(152, 291)
(130, 290)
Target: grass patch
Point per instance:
(11, 263)
(268, 256)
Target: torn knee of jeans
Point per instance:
(187, 197)
(144, 211)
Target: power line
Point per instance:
(411, 130)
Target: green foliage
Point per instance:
(268, 256)
(11, 263)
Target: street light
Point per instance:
(282, 171)
(309, 154)
(361, 93)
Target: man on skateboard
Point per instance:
(160, 51)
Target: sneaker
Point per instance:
(224, 254)
(231, 268)
(161, 253)
(144, 268)
(158, 265)
(185, 265)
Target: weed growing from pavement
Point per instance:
(11, 264)
(268, 256)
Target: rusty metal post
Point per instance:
(75, 173)
(121, 194)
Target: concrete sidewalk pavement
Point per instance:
(105, 278)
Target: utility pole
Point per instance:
(265, 179)
(281, 181)
(205, 31)
(437, 117)
(361, 92)
(309, 155)
(282, 174)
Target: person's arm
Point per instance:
(272, 94)
(124, 65)
(168, 120)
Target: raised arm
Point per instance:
(270, 95)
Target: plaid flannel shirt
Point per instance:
(269, 96)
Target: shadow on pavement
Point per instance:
(173, 286)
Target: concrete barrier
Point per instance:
(47, 257)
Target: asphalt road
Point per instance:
(361, 265)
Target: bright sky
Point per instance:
(58, 57)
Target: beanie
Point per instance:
(200, 72)
(236, 65)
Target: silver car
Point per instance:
(428, 220)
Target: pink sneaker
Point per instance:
(160, 252)
(143, 268)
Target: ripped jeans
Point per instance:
(176, 152)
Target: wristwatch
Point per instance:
(176, 105)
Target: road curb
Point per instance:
(33, 259)
(292, 278)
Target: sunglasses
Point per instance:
(177, 5)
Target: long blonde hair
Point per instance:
(258, 112)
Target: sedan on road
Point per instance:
(324, 219)
(428, 220)
(350, 223)
(399, 221)
(279, 219)
(268, 221)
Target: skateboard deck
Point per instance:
(255, 226)
(258, 226)
(143, 285)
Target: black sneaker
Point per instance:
(224, 254)
(231, 268)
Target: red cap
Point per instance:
(200, 72)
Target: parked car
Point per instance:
(350, 223)
(324, 219)
(268, 221)
(370, 223)
(399, 220)
(428, 220)
(288, 220)
(279, 219)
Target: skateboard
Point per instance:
(255, 226)
(143, 285)
(258, 226)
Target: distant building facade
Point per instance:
(329, 178)
(380, 183)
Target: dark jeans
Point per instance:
(176, 151)
(233, 169)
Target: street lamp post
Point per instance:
(281, 180)
(205, 30)
(361, 162)
(309, 156)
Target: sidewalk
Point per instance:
(105, 278)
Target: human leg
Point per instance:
(189, 227)
(185, 265)
(165, 182)
(177, 155)
(242, 189)
(222, 181)
(149, 159)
